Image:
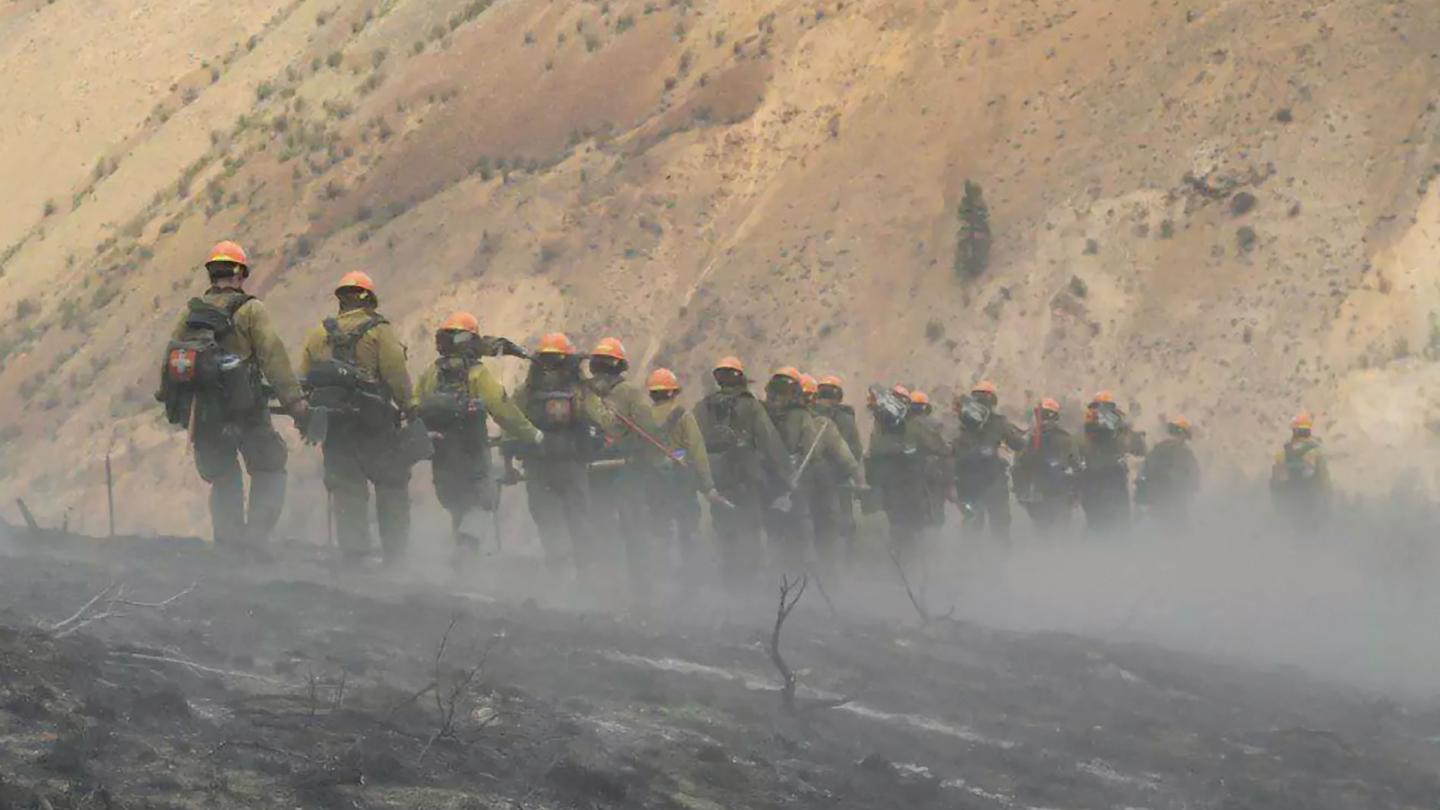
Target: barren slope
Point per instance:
(774, 178)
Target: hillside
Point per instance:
(777, 178)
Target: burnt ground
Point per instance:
(285, 685)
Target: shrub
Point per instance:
(972, 249)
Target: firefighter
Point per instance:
(1104, 480)
(830, 403)
(221, 350)
(982, 480)
(626, 467)
(927, 435)
(788, 523)
(1300, 478)
(751, 466)
(1169, 478)
(674, 510)
(557, 486)
(456, 397)
(828, 479)
(895, 469)
(1045, 471)
(354, 368)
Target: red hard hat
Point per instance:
(984, 387)
(808, 384)
(918, 397)
(790, 373)
(610, 347)
(228, 251)
(460, 322)
(663, 379)
(556, 343)
(356, 280)
(730, 363)
(1048, 404)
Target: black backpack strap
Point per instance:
(342, 344)
(674, 418)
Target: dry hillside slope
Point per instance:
(776, 178)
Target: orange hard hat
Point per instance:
(1048, 404)
(808, 384)
(918, 397)
(1105, 397)
(610, 347)
(730, 363)
(556, 343)
(356, 280)
(900, 391)
(831, 381)
(1302, 421)
(460, 322)
(984, 387)
(228, 251)
(789, 372)
(663, 379)
(1179, 422)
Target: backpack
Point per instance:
(450, 409)
(1299, 464)
(721, 430)
(974, 413)
(340, 386)
(202, 381)
(890, 410)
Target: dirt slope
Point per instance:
(778, 179)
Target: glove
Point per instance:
(716, 498)
(511, 348)
(539, 436)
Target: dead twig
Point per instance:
(448, 701)
(925, 617)
(104, 605)
(258, 746)
(791, 592)
(165, 659)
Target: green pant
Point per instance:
(900, 483)
(218, 451)
(355, 458)
(790, 534)
(985, 496)
(558, 492)
(675, 517)
(620, 519)
(739, 538)
(832, 510)
(463, 484)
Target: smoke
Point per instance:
(1351, 604)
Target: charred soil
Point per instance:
(286, 686)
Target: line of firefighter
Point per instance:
(609, 466)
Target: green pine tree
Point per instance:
(972, 251)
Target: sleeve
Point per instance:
(851, 433)
(593, 409)
(1013, 436)
(507, 414)
(1135, 442)
(769, 441)
(392, 362)
(270, 351)
(839, 452)
(314, 342)
(695, 453)
(425, 386)
(1192, 471)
